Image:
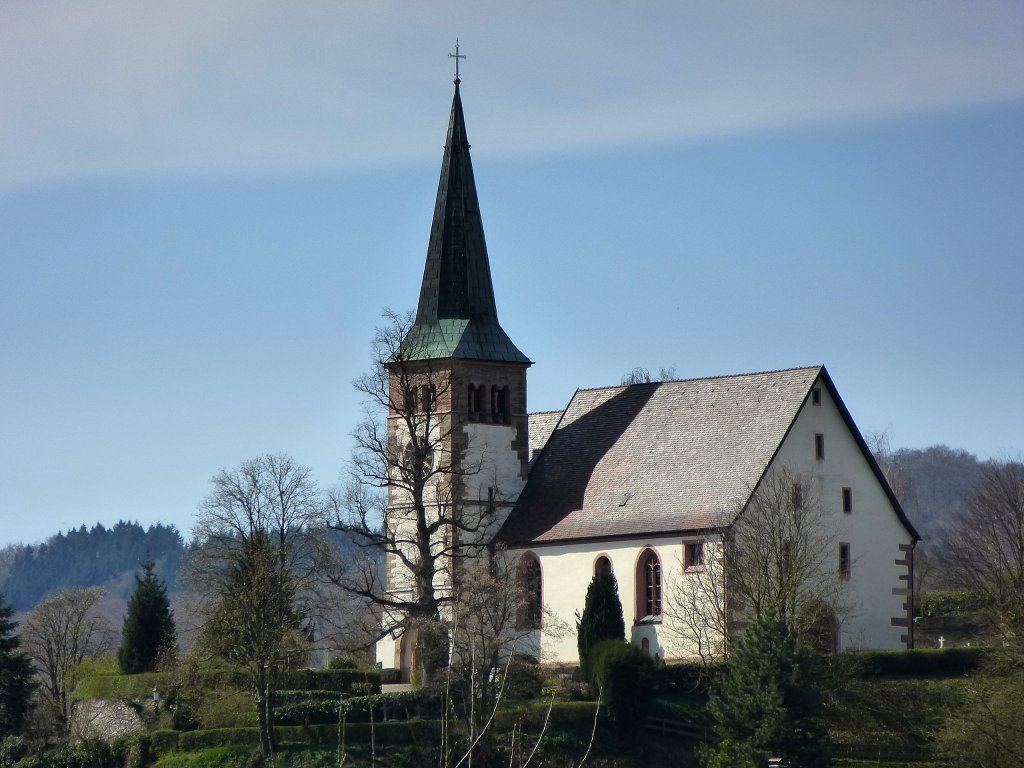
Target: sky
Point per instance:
(205, 207)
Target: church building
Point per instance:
(646, 480)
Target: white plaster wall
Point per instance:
(872, 529)
(566, 571)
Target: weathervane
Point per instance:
(456, 56)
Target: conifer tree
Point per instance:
(601, 619)
(15, 675)
(148, 625)
(769, 704)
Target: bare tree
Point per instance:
(61, 632)
(986, 544)
(775, 559)
(406, 496)
(255, 549)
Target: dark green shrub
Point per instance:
(86, 754)
(925, 661)
(163, 741)
(524, 680)
(346, 680)
(133, 750)
(601, 619)
(625, 675)
(390, 676)
(769, 701)
(342, 662)
(12, 749)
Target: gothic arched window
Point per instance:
(528, 583)
(648, 586)
(602, 565)
(475, 402)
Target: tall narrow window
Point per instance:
(796, 496)
(844, 561)
(694, 554)
(847, 500)
(475, 404)
(528, 581)
(648, 580)
(819, 446)
(602, 566)
(815, 396)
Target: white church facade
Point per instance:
(643, 479)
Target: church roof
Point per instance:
(665, 457)
(456, 315)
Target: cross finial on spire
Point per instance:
(457, 56)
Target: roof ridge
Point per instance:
(703, 378)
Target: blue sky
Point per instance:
(204, 209)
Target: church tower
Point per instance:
(456, 331)
(457, 421)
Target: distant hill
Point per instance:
(931, 484)
(86, 557)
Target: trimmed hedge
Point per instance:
(390, 676)
(384, 733)
(347, 680)
(357, 709)
(946, 662)
(106, 685)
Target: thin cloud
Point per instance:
(115, 88)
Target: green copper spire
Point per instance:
(456, 315)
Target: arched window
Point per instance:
(501, 410)
(426, 398)
(648, 586)
(602, 565)
(475, 403)
(528, 583)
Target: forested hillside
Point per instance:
(931, 484)
(86, 557)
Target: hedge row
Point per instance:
(383, 733)
(115, 686)
(358, 709)
(925, 661)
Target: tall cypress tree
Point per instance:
(601, 619)
(15, 675)
(148, 625)
(769, 704)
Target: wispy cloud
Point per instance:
(117, 88)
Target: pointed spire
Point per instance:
(456, 315)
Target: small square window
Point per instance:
(815, 396)
(819, 446)
(844, 561)
(695, 554)
(847, 500)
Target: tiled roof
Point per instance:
(541, 427)
(456, 315)
(652, 458)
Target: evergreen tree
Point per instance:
(15, 675)
(148, 625)
(601, 619)
(769, 704)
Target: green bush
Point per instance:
(625, 675)
(133, 750)
(164, 741)
(342, 662)
(93, 683)
(345, 680)
(357, 709)
(86, 754)
(229, 710)
(950, 603)
(601, 620)
(390, 676)
(12, 749)
(524, 680)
